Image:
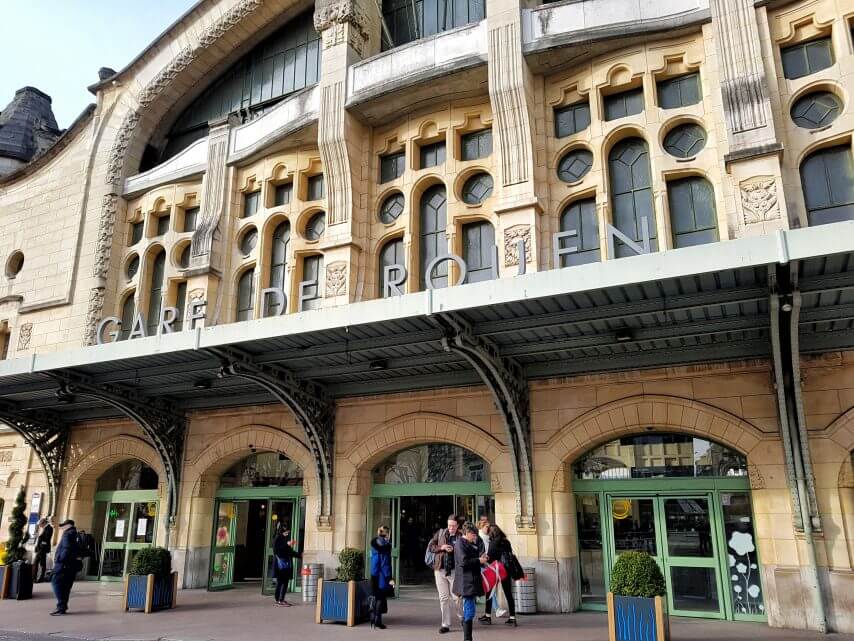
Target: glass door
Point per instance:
(385, 511)
(222, 560)
(114, 554)
(280, 511)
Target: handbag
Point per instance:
(491, 575)
(514, 568)
(283, 564)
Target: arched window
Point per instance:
(128, 312)
(312, 270)
(478, 251)
(631, 193)
(580, 217)
(131, 474)
(659, 455)
(246, 295)
(432, 463)
(180, 305)
(827, 177)
(692, 211)
(266, 469)
(155, 293)
(278, 263)
(434, 242)
(392, 253)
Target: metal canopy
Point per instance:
(700, 304)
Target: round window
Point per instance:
(685, 141)
(316, 226)
(184, 256)
(816, 110)
(391, 209)
(248, 241)
(133, 267)
(575, 165)
(15, 264)
(477, 189)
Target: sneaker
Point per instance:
(57, 613)
(380, 626)
(511, 622)
(444, 630)
(485, 619)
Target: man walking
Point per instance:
(43, 543)
(66, 565)
(442, 547)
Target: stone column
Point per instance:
(754, 154)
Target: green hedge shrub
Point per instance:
(18, 535)
(351, 564)
(152, 561)
(637, 574)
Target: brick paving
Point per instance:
(244, 615)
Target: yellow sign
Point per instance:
(621, 508)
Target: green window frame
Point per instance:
(392, 253)
(478, 250)
(163, 225)
(248, 241)
(136, 230)
(128, 312)
(827, 179)
(283, 194)
(432, 237)
(806, 58)
(312, 268)
(575, 165)
(432, 155)
(392, 166)
(316, 187)
(316, 226)
(681, 91)
(250, 203)
(278, 263)
(392, 208)
(631, 193)
(685, 140)
(477, 188)
(180, 304)
(693, 219)
(475, 145)
(623, 104)
(246, 295)
(816, 109)
(155, 292)
(572, 119)
(582, 217)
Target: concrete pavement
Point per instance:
(243, 614)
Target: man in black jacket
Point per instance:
(43, 543)
(66, 565)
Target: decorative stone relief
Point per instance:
(339, 12)
(757, 481)
(507, 92)
(166, 75)
(214, 195)
(333, 152)
(561, 481)
(106, 227)
(495, 483)
(5, 456)
(93, 314)
(336, 279)
(120, 147)
(197, 294)
(333, 36)
(759, 199)
(229, 20)
(512, 236)
(24, 336)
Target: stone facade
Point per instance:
(73, 214)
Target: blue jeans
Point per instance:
(469, 608)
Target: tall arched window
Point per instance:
(392, 253)
(692, 211)
(434, 242)
(246, 295)
(155, 293)
(580, 217)
(631, 193)
(312, 270)
(278, 263)
(827, 177)
(128, 312)
(478, 251)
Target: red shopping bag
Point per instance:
(492, 574)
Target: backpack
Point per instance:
(430, 557)
(85, 545)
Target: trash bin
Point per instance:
(311, 572)
(525, 593)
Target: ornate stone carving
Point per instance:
(6, 456)
(759, 199)
(333, 36)
(94, 310)
(333, 152)
(120, 146)
(495, 482)
(507, 69)
(229, 19)
(215, 187)
(339, 12)
(336, 279)
(197, 294)
(24, 336)
(561, 480)
(106, 227)
(757, 481)
(512, 236)
(166, 75)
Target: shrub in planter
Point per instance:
(636, 607)
(17, 580)
(345, 600)
(151, 584)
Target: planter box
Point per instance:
(340, 602)
(17, 581)
(150, 593)
(632, 618)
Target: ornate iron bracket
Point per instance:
(308, 402)
(47, 434)
(163, 424)
(509, 389)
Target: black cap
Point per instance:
(67, 522)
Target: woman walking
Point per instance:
(382, 583)
(468, 560)
(285, 555)
(500, 550)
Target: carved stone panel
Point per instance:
(759, 199)
(93, 315)
(512, 236)
(336, 279)
(24, 336)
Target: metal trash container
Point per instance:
(311, 572)
(525, 593)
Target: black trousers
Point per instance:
(283, 577)
(40, 565)
(61, 582)
(507, 586)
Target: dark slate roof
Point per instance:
(27, 125)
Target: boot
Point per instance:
(467, 625)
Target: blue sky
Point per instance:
(59, 45)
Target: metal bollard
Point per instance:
(525, 593)
(311, 572)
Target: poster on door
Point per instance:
(120, 528)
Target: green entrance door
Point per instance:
(677, 532)
(124, 523)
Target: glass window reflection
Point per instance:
(433, 463)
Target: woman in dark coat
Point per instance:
(382, 583)
(284, 569)
(500, 550)
(468, 559)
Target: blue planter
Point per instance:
(338, 605)
(150, 593)
(637, 619)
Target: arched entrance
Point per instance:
(256, 494)
(414, 490)
(683, 499)
(124, 520)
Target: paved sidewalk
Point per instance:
(244, 615)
